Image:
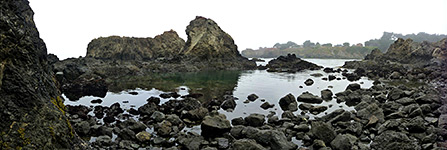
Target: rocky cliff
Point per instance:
(166, 45)
(32, 113)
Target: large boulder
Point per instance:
(394, 140)
(32, 110)
(323, 131)
(215, 126)
(208, 42)
(288, 103)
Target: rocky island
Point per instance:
(403, 109)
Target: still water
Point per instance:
(268, 86)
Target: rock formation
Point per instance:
(32, 112)
(290, 63)
(168, 44)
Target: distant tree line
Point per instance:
(388, 38)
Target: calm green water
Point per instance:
(267, 85)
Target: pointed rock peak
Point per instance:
(206, 40)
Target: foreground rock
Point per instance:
(32, 110)
(309, 98)
(215, 126)
(290, 63)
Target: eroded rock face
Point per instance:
(206, 40)
(32, 113)
(166, 45)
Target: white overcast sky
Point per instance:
(67, 26)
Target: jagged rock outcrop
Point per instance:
(32, 112)
(168, 45)
(206, 40)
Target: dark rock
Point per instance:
(238, 121)
(127, 134)
(194, 95)
(275, 139)
(196, 114)
(148, 109)
(322, 131)
(252, 97)
(415, 125)
(133, 93)
(317, 109)
(326, 94)
(109, 119)
(154, 100)
(290, 63)
(331, 77)
(190, 141)
(228, 104)
(215, 126)
(82, 128)
(307, 97)
(395, 94)
(133, 111)
(255, 120)
(104, 140)
(394, 140)
(353, 87)
(245, 144)
(288, 102)
(309, 82)
(343, 142)
(267, 105)
(96, 101)
(316, 75)
(301, 128)
(395, 75)
(305, 106)
(371, 110)
(328, 70)
(164, 128)
(158, 116)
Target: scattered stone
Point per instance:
(323, 131)
(133, 93)
(228, 104)
(154, 100)
(331, 77)
(238, 121)
(309, 82)
(353, 87)
(96, 101)
(309, 98)
(252, 97)
(247, 144)
(215, 126)
(267, 105)
(316, 75)
(255, 120)
(288, 103)
(143, 136)
(326, 94)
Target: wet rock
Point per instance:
(353, 87)
(148, 109)
(255, 120)
(323, 131)
(143, 136)
(133, 125)
(288, 102)
(252, 97)
(317, 109)
(267, 105)
(228, 104)
(309, 82)
(195, 114)
(133, 93)
(244, 144)
(301, 128)
(326, 94)
(114, 109)
(351, 76)
(305, 106)
(215, 126)
(331, 77)
(290, 63)
(343, 142)
(96, 101)
(238, 121)
(328, 70)
(316, 75)
(307, 97)
(154, 100)
(109, 119)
